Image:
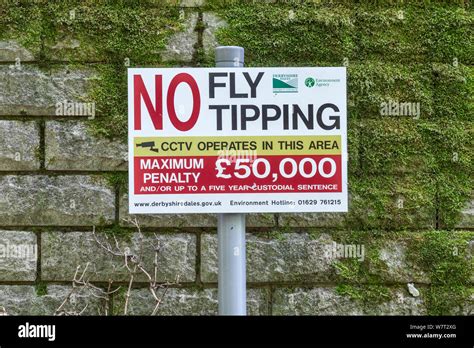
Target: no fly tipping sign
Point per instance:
(237, 140)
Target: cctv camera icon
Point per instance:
(148, 144)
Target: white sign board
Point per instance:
(237, 140)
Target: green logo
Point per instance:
(285, 83)
(309, 82)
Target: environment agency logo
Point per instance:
(309, 82)
(285, 83)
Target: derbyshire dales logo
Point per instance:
(285, 83)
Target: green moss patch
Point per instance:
(453, 92)
(391, 203)
(395, 145)
(447, 258)
(121, 34)
(363, 280)
(110, 94)
(372, 83)
(288, 34)
(396, 33)
(118, 231)
(118, 180)
(450, 32)
(23, 23)
(41, 289)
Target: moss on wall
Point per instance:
(289, 34)
(391, 202)
(372, 83)
(446, 256)
(25, 24)
(363, 280)
(453, 91)
(116, 34)
(118, 180)
(41, 289)
(394, 51)
(326, 31)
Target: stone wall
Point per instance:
(63, 174)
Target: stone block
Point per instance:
(63, 200)
(63, 252)
(18, 256)
(28, 90)
(70, 146)
(19, 145)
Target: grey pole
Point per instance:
(231, 229)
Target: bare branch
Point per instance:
(132, 262)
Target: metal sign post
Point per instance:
(231, 228)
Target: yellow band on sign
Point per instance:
(251, 145)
